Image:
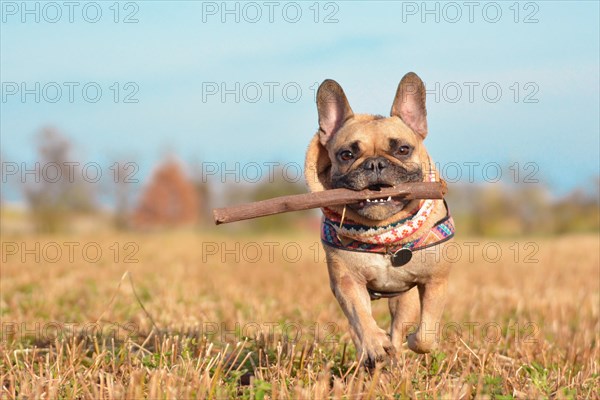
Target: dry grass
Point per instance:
(272, 329)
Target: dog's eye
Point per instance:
(403, 150)
(346, 155)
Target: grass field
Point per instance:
(189, 320)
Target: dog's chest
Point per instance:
(379, 273)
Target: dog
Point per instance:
(370, 246)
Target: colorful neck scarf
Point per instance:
(384, 239)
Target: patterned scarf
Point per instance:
(443, 230)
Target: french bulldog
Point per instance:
(357, 151)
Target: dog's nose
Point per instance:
(376, 164)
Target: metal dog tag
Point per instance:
(401, 257)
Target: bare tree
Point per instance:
(54, 189)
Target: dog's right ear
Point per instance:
(334, 109)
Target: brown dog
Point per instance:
(370, 245)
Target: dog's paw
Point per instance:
(377, 348)
(419, 345)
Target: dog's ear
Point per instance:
(334, 109)
(409, 103)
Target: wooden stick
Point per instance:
(334, 197)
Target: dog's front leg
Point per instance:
(433, 299)
(404, 310)
(372, 343)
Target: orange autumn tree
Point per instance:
(170, 200)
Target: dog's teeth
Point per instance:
(379, 200)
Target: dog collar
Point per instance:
(384, 240)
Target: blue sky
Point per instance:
(543, 56)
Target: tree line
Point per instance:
(175, 195)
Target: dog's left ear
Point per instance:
(409, 104)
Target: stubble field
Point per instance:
(202, 315)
